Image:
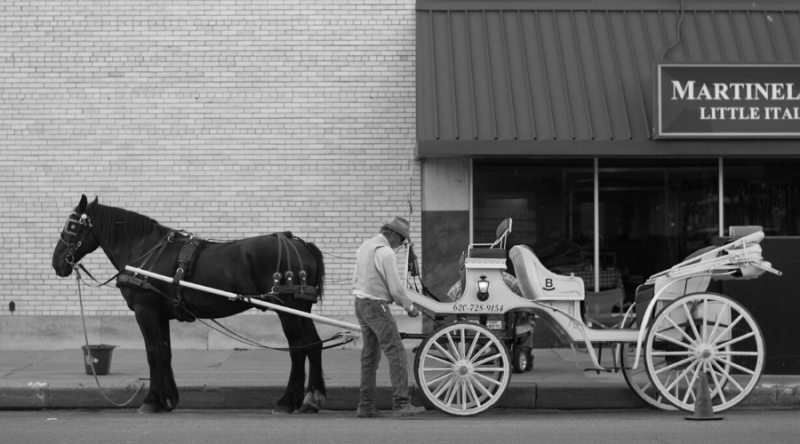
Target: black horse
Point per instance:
(244, 267)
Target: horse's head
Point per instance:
(75, 240)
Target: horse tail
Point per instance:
(320, 282)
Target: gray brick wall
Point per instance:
(226, 118)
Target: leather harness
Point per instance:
(190, 248)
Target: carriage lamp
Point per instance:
(483, 289)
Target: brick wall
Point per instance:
(226, 118)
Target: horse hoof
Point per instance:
(149, 408)
(308, 408)
(282, 410)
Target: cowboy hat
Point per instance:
(399, 226)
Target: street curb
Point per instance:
(194, 395)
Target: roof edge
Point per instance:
(432, 149)
(606, 5)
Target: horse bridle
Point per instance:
(76, 224)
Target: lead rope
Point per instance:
(89, 350)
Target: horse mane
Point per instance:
(119, 224)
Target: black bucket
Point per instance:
(101, 357)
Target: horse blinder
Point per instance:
(74, 225)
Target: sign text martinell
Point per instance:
(727, 101)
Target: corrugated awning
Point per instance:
(576, 77)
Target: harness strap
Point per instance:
(134, 281)
(301, 290)
(185, 255)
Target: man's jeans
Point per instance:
(379, 332)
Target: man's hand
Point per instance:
(413, 313)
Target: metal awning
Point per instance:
(575, 77)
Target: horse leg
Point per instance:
(163, 393)
(293, 397)
(315, 394)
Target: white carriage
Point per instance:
(685, 332)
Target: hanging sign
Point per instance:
(727, 101)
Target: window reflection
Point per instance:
(653, 213)
(765, 193)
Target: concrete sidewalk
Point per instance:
(245, 379)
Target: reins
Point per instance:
(89, 351)
(344, 337)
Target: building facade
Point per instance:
(228, 119)
(620, 136)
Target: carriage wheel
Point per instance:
(463, 368)
(704, 334)
(638, 380)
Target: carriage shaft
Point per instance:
(230, 295)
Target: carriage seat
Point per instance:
(486, 253)
(538, 283)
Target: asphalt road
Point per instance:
(496, 426)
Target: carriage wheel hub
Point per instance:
(463, 370)
(705, 353)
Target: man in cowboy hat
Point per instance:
(376, 285)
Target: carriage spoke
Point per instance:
(676, 364)
(670, 375)
(678, 328)
(452, 393)
(434, 357)
(676, 342)
(727, 376)
(485, 360)
(691, 386)
(453, 346)
(739, 353)
(705, 317)
(463, 395)
(739, 367)
(475, 383)
(682, 353)
(489, 369)
(473, 393)
(469, 354)
(690, 320)
(727, 329)
(480, 352)
(487, 379)
(444, 352)
(461, 344)
(684, 376)
(710, 338)
(438, 378)
(718, 388)
(443, 383)
(680, 377)
(443, 387)
(733, 341)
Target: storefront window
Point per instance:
(655, 212)
(536, 194)
(652, 212)
(764, 192)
